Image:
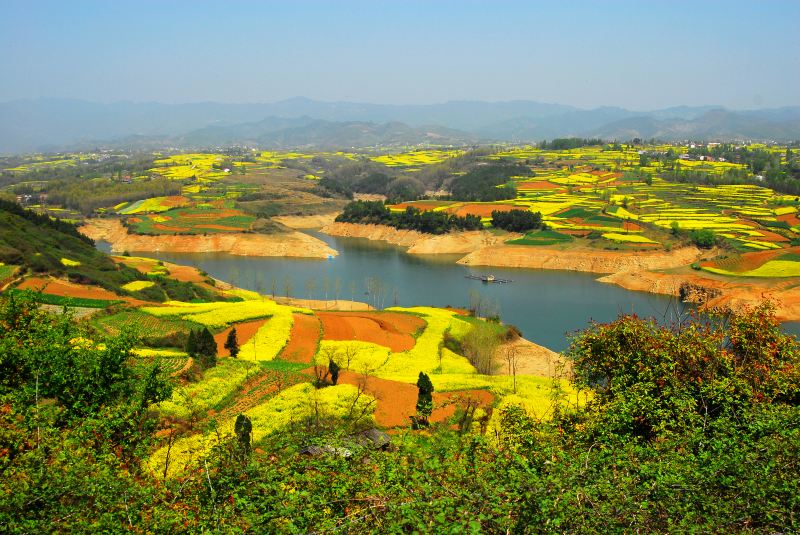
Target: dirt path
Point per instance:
(291, 244)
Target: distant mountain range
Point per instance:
(59, 124)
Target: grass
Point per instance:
(543, 237)
(7, 270)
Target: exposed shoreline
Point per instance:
(290, 244)
(634, 270)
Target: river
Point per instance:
(547, 306)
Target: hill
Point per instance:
(43, 246)
(58, 124)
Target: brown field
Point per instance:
(482, 210)
(422, 205)
(397, 401)
(748, 261)
(792, 219)
(218, 214)
(389, 329)
(68, 289)
(244, 332)
(771, 236)
(539, 184)
(219, 227)
(303, 340)
(185, 273)
(160, 226)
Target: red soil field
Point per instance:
(159, 226)
(212, 215)
(303, 339)
(771, 236)
(792, 219)
(538, 184)
(67, 289)
(422, 206)
(185, 274)
(389, 329)
(174, 200)
(482, 210)
(397, 401)
(220, 227)
(749, 261)
(244, 332)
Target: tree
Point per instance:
(424, 402)
(480, 345)
(205, 348)
(232, 343)
(243, 428)
(334, 369)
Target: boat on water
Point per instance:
(488, 278)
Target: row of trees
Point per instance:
(517, 220)
(377, 213)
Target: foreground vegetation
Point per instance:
(689, 428)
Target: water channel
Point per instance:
(547, 306)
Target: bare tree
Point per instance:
(337, 288)
(311, 285)
(274, 286)
(511, 354)
(480, 345)
(287, 285)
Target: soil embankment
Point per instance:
(418, 242)
(585, 260)
(528, 358)
(292, 244)
(712, 292)
(306, 221)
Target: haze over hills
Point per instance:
(56, 124)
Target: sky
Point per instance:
(639, 54)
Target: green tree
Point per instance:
(424, 401)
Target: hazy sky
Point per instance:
(640, 54)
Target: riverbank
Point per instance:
(287, 244)
(419, 242)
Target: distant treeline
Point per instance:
(377, 213)
(86, 196)
(517, 220)
(566, 143)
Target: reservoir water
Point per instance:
(547, 306)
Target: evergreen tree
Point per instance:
(232, 343)
(424, 401)
(206, 348)
(243, 427)
(334, 368)
(191, 343)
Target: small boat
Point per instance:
(488, 278)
